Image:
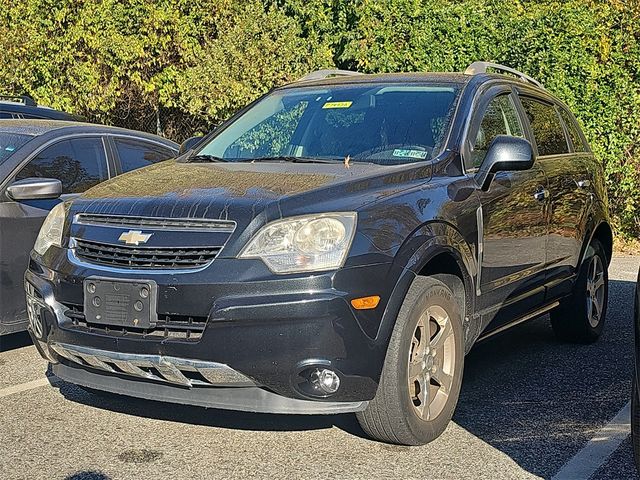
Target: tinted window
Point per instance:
(387, 124)
(78, 163)
(136, 153)
(574, 132)
(10, 142)
(500, 118)
(546, 126)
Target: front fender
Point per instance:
(424, 245)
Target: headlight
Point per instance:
(51, 231)
(304, 244)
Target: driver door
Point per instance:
(512, 220)
(79, 163)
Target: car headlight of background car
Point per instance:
(305, 243)
(51, 230)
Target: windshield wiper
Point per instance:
(291, 159)
(205, 158)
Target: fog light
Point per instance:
(325, 380)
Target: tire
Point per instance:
(400, 413)
(635, 423)
(580, 318)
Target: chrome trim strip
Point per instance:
(480, 226)
(230, 227)
(159, 367)
(529, 316)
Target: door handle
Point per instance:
(583, 183)
(541, 195)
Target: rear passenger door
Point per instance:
(132, 153)
(567, 170)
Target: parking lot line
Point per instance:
(598, 449)
(23, 387)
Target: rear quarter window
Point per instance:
(577, 139)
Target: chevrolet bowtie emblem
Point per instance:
(135, 237)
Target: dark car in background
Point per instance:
(24, 107)
(338, 246)
(44, 162)
(635, 394)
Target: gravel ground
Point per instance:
(529, 403)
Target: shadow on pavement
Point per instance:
(208, 416)
(88, 475)
(539, 400)
(13, 341)
(525, 393)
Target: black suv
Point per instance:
(337, 246)
(25, 107)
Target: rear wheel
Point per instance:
(580, 317)
(422, 374)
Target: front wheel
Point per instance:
(422, 373)
(580, 317)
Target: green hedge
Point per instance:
(203, 59)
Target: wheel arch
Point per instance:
(604, 234)
(436, 249)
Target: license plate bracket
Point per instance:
(121, 303)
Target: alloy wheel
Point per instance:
(431, 362)
(595, 290)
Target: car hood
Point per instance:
(176, 189)
(248, 193)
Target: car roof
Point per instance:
(43, 111)
(411, 77)
(41, 127)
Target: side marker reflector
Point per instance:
(365, 303)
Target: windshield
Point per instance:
(10, 142)
(386, 124)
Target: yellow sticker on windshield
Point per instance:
(337, 105)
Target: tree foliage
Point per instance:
(203, 59)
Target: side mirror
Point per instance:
(35, 189)
(188, 144)
(505, 154)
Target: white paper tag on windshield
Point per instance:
(400, 152)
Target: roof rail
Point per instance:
(326, 73)
(481, 67)
(24, 99)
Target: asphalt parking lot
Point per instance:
(529, 405)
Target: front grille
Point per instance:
(144, 257)
(193, 224)
(182, 327)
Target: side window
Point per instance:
(546, 126)
(574, 132)
(500, 118)
(79, 163)
(137, 153)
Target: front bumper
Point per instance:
(250, 357)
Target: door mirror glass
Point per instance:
(505, 154)
(35, 189)
(189, 144)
